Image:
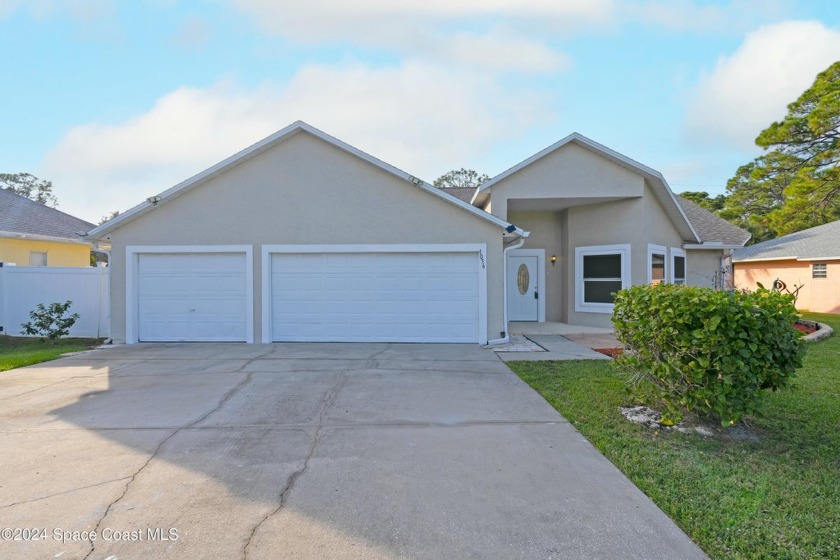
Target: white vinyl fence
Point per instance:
(24, 287)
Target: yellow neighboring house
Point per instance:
(32, 234)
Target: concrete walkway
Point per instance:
(557, 348)
(379, 451)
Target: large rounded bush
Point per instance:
(704, 350)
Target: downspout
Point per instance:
(505, 335)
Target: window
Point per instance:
(677, 266)
(600, 271)
(37, 259)
(819, 270)
(656, 264)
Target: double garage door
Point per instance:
(311, 297)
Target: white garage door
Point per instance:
(191, 297)
(375, 297)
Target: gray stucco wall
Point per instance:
(305, 191)
(701, 267)
(635, 221)
(570, 172)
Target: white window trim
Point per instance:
(676, 252)
(580, 252)
(658, 250)
(540, 254)
(132, 253)
(823, 270)
(480, 250)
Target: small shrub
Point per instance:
(50, 321)
(708, 351)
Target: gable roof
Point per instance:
(271, 141)
(660, 187)
(24, 218)
(816, 243)
(711, 227)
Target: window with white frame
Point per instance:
(37, 258)
(678, 263)
(819, 270)
(657, 255)
(600, 271)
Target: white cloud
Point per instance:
(751, 88)
(689, 15)
(373, 20)
(194, 33)
(420, 117)
(501, 52)
(79, 10)
(494, 35)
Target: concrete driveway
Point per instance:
(306, 451)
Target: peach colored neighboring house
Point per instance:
(808, 259)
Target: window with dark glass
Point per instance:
(679, 269)
(601, 277)
(819, 270)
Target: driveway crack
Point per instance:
(326, 404)
(227, 396)
(48, 496)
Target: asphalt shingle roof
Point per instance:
(711, 227)
(464, 193)
(821, 242)
(18, 214)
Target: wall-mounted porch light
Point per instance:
(553, 259)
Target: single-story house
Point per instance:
(302, 237)
(32, 234)
(808, 260)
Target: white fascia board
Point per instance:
(37, 237)
(264, 145)
(709, 246)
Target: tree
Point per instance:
(29, 186)
(107, 217)
(461, 178)
(797, 180)
(704, 199)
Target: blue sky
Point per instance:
(115, 101)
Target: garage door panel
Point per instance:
(191, 297)
(417, 297)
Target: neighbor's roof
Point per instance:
(269, 142)
(24, 218)
(821, 242)
(711, 227)
(461, 193)
(660, 187)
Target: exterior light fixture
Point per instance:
(553, 259)
(414, 180)
(153, 199)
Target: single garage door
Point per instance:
(375, 297)
(197, 297)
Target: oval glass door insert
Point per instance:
(523, 279)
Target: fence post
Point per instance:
(2, 299)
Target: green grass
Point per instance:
(775, 497)
(17, 352)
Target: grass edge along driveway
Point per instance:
(18, 352)
(776, 495)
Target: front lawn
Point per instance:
(774, 496)
(17, 352)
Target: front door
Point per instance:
(523, 289)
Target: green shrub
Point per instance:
(50, 321)
(708, 351)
